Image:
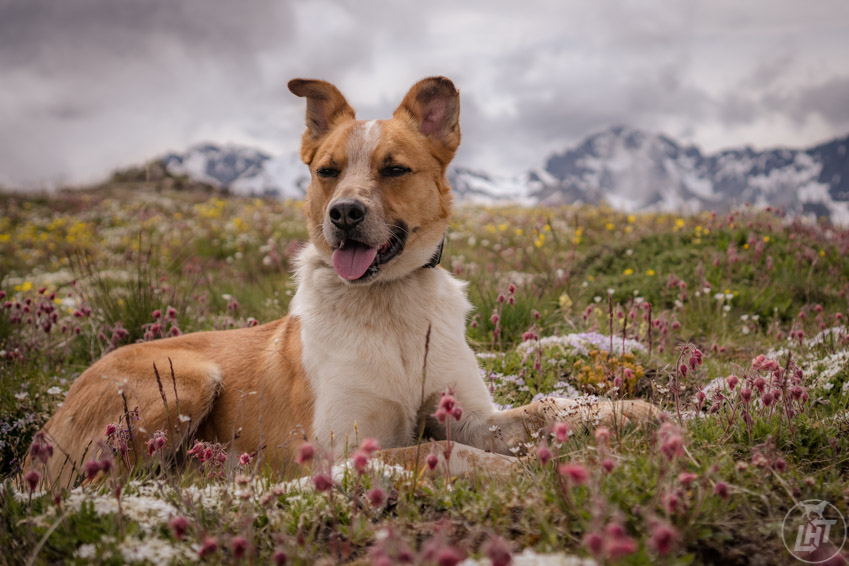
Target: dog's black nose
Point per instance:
(347, 213)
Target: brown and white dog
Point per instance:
(351, 352)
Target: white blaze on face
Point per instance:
(361, 145)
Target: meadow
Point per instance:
(734, 324)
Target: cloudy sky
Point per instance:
(89, 85)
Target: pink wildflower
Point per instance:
(31, 478)
(239, 545)
(179, 526)
(360, 460)
(305, 453)
(663, 538)
(376, 496)
(561, 431)
(432, 461)
(209, 546)
(544, 454)
(576, 473)
(369, 446)
(322, 482)
(686, 478)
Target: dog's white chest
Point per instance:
(364, 350)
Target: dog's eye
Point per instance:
(327, 172)
(394, 171)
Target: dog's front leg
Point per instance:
(509, 432)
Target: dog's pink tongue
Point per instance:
(352, 259)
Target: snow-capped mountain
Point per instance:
(638, 171)
(629, 169)
(241, 170)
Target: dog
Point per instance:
(374, 335)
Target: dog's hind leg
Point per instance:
(122, 387)
(464, 461)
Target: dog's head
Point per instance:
(378, 201)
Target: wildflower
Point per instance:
(40, 450)
(245, 459)
(671, 441)
(663, 537)
(91, 468)
(280, 558)
(544, 454)
(239, 545)
(209, 546)
(449, 556)
(618, 543)
(671, 503)
(732, 381)
(686, 478)
(561, 431)
(376, 496)
(31, 478)
(369, 446)
(156, 314)
(594, 543)
(779, 465)
(322, 482)
(746, 394)
(608, 465)
(759, 460)
(360, 460)
(432, 461)
(576, 473)
(306, 453)
(179, 526)
(721, 489)
(171, 313)
(494, 319)
(498, 551)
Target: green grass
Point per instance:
(123, 253)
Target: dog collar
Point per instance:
(437, 256)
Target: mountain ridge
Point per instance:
(630, 169)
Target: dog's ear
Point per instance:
(433, 108)
(326, 108)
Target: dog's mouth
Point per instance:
(357, 261)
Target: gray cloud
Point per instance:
(92, 84)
